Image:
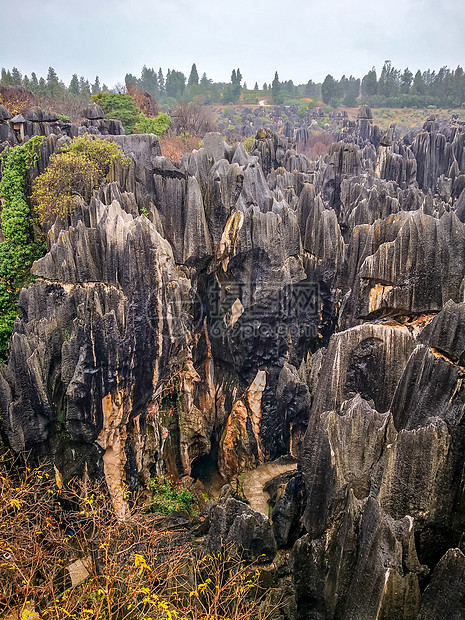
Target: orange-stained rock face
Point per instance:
(235, 454)
(112, 439)
(241, 446)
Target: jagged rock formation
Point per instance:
(222, 312)
(38, 122)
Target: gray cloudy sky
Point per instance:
(301, 39)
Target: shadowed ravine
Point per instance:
(255, 480)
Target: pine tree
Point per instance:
(175, 83)
(418, 86)
(16, 77)
(96, 86)
(6, 78)
(84, 87)
(256, 86)
(370, 83)
(42, 87)
(73, 87)
(406, 81)
(161, 81)
(149, 82)
(329, 89)
(275, 86)
(193, 77)
(53, 83)
(34, 83)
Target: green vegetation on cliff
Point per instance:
(157, 125)
(118, 106)
(19, 249)
(78, 169)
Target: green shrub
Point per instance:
(19, 249)
(167, 498)
(157, 125)
(248, 143)
(119, 106)
(78, 169)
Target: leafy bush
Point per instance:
(167, 498)
(19, 249)
(76, 170)
(248, 143)
(157, 125)
(119, 106)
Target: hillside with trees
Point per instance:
(390, 87)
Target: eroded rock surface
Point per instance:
(213, 315)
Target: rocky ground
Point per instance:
(220, 313)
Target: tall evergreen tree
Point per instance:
(418, 85)
(329, 89)
(175, 83)
(370, 83)
(193, 77)
(53, 83)
(161, 81)
(73, 87)
(96, 86)
(149, 81)
(84, 88)
(16, 77)
(42, 87)
(275, 85)
(34, 83)
(130, 79)
(406, 81)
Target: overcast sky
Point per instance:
(301, 39)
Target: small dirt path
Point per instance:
(256, 479)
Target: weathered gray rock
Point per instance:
(250, 533)
(93, 112)
(4, 114)
(446, 332)
(227, 310)
(445, 595)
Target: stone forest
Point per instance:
(283, 337)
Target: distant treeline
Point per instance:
(169, 88)
(52, 86)
(393, 88)
(398, 89)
